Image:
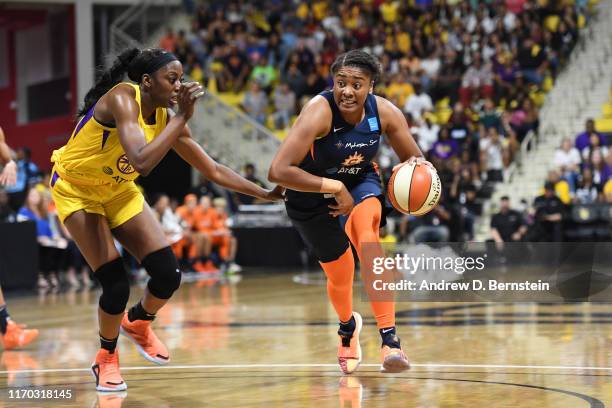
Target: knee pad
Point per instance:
(164, 271)
(115, 286)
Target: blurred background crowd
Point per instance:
(470, 77)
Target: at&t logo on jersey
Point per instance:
(348, 165)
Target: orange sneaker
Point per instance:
(349, 349)
(393, 360)
(141, 334)
(17, 335)
(207, 267)
(106, 371)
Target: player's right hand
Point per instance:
(345, 203)
(189, 93)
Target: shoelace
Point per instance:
(146, 336)
(111, 364)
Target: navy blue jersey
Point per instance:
(346, 153)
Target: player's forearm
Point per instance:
(150, 154)
(294, 178)
(192, 153)
(228, 178)
(5, 151)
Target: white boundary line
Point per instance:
(239, 366)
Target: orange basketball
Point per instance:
(414, 189)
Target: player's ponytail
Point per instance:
(109, 78)
(132, 61)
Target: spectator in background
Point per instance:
(478, 79)
(171, 223)
(448, 79)
(168, 41)
(235, 70)
(562, 187)
(223, 238)
(492, 153)
(249, 174)
(532, 60)
(255, 103)
(490, 116)
(583, 139)
(567, 160)
(445, 147)
(506, 73)
(598, 168)
(459, 122)
(27, 175)
(418, 103)
(399, 89)
(315, 84)
(264, 74)
(507, 225)
(427, 135)
(204, 223)
(296, 81)
(549, 211)
(196, 246)
(433, 226)
(50, 245)
(524, 119)
(588, 192)
(593, 146)
(182, 48)
(284, 104)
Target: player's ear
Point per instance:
(371, 90)
(146, 81)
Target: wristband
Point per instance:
(330, 186)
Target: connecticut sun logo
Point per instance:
(353, 159)
(124, 166)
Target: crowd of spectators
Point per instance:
(581, 178)
(468, 75)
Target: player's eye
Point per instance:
(357, 85)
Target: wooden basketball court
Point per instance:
(268, 340)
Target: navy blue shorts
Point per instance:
(322, 233)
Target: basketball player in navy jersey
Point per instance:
(335, 195)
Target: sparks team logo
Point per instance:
(353, 159)
(124, 166)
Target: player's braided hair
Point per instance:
(358, 59)
(134, 62)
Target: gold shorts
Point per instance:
(117, 203)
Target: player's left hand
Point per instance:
(417, 160)
(8, 177)
(276, 194)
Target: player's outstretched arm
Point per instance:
(192, 153)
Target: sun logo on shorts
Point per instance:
(124, 166)
(353, 159)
